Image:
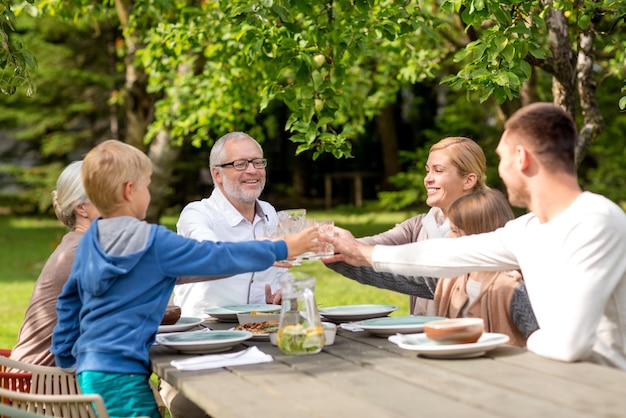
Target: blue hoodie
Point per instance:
(121, 281)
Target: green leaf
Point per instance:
(584, 21)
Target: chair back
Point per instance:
(8, 411)
(12, 380)
(43, 380)
(74, 406)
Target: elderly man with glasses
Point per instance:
(233, 212)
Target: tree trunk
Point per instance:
(592, 118)
(139, 104)
(386, 127)
(574, 74)
(564, 61)
(164, 155)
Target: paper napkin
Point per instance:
(251, 355)
(349, 326)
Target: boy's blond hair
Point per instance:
(106, 170)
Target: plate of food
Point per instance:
(229, 313)
(430, 348)
(390, 325)
(259, 330)
(202, 342)
(356, 312)
(183, 324)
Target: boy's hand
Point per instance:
(302, 242)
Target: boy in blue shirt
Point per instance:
(124, 273)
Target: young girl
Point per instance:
(499, 298)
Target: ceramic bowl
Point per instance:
(171, 316)
(330, 330)
(455, 330)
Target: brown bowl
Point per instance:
(455, 330)
(171, 316)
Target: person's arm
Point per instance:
(440, 257)
(594, 266)
(423, 287)
(196, 279)
(179, 256)
(521, 311)
(402, 233)
(67, 329)
(347, 249)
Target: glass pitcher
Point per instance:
(300, 328)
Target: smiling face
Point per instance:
(240, 186)
(444, 184)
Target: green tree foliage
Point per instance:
(334, 64)
(16, 61)
(70, 111)
(217, 66)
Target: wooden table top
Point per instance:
(366, 376)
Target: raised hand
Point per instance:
(348, 249)
(273, 298)
(302, 242)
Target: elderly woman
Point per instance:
(72, 207)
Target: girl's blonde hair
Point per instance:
(69, 194)
(106, 170)
(467, 156)
(481, 211)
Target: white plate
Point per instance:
(390, 325)
(356, 312)
(429, 348)
(229, 313)
(183, 324)
(202, 342)
(258, 336)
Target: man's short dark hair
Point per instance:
(549, 131)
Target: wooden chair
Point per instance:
(12, 380)
(54, 391)
(69, 406)
(8, 411)
(44, 379)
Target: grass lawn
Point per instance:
(27, 242)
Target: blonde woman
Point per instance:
(72, 207)
(456, 166)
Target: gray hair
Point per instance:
(217, 151)
(69, 194)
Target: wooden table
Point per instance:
(365, 376)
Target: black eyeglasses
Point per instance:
(241, 165)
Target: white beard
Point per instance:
(234, 191)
